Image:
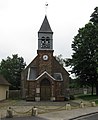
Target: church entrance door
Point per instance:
(45, 90)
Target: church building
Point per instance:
(44, 79)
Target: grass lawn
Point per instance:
(96, 101)
(88, 98)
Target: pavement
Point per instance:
(69, 114)
(54, 114)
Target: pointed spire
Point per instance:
(45, 27)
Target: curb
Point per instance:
(83, 115)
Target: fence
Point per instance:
(16, 94)
(76, 91)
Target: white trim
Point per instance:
(43, 74)
(28, 74)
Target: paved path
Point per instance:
(60, 115)
(68, 114)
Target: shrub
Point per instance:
(67, 98)
(72, 97)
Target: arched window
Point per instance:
(45, 42)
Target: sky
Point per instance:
(20, 21)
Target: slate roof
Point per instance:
(3, 81)
(45, 27)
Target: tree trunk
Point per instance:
(97, 88)
(92, 88)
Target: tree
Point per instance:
(84, 60)
(11, 69)
(94, 16)
(94, 20)
(74, 83)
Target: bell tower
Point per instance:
(45, 47)
(45, 36)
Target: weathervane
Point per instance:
(46, 5)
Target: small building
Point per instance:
(4, 88)
(44, 79)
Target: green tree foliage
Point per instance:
(74, 83)
(84, 60)
(94, 20)
(11, 69)
(94, 16)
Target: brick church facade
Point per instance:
(44, 79)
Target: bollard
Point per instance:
(81, 105)
(93, 104)
(34, 111)
(68, 106)
(9, 113)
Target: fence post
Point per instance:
(68, 106)
(81, 105)
(9, 113)
(93, 104)
(34, 111)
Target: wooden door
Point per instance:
(45, 90)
